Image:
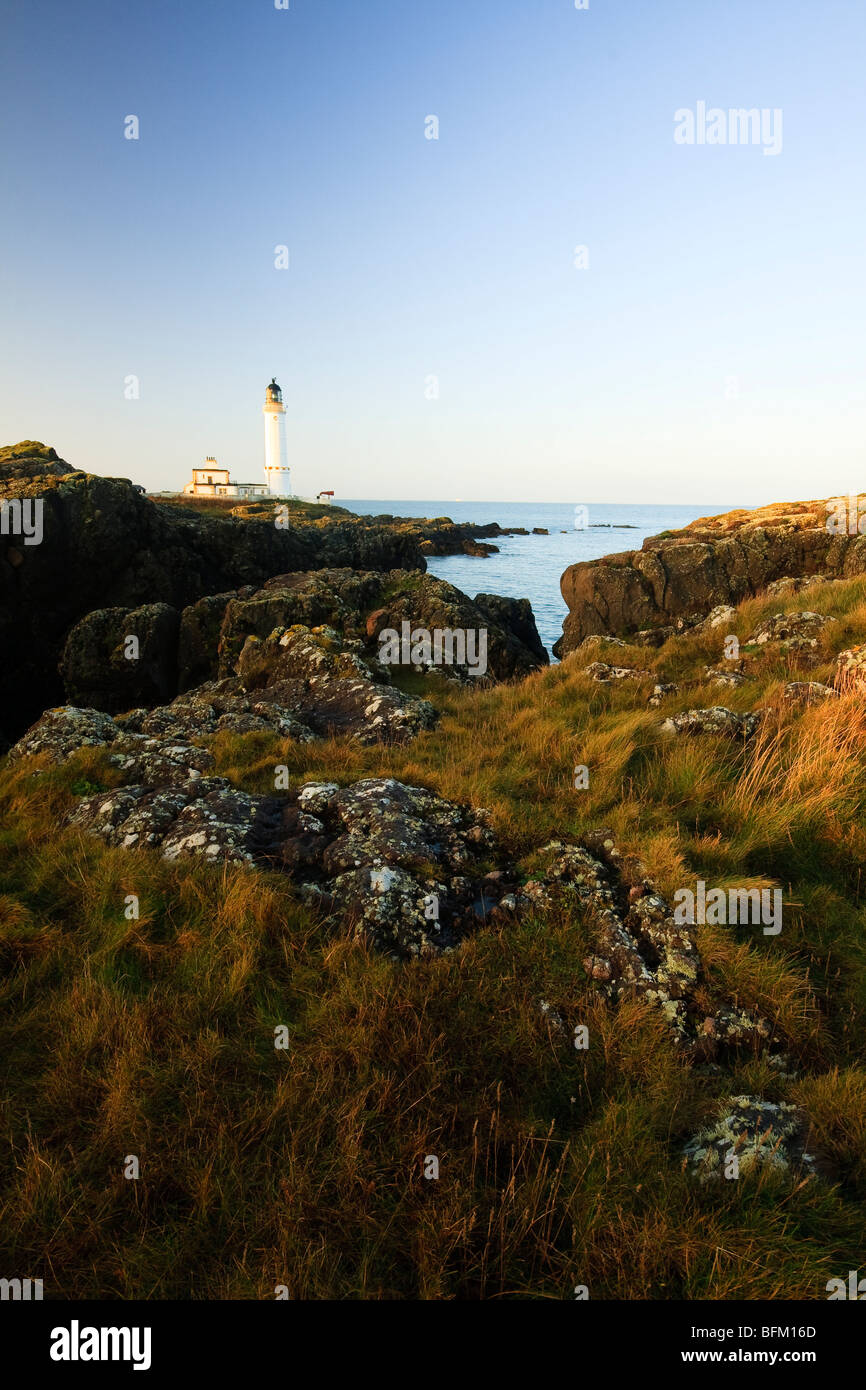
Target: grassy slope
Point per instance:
(558, 1167)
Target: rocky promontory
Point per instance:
(678, 577)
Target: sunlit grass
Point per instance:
(154, 1036)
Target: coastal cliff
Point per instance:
(678, 577)
(106, 548)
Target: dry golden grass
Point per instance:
(557, 1167)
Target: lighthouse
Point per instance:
(276, 461)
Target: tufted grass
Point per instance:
(304, 1167)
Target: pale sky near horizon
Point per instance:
(712, 351)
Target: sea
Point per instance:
(531, 566)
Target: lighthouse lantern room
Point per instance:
(277, 474)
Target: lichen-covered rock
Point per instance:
(361, 606)
(61, 731)
(639, 948)
(158, 745)
(396, 863)
(794, 584)
(212, 708)
(205, 818)
(760, 1133)
(329, 687)
(808, 692)
(600, 671)
(723, 615)
(593, 642)
(661, 692)
(791, 630)
(730, 676)
(715, 720)
(851, 668)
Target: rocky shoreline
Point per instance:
(677, 578)
(111, 562)
(243, 629)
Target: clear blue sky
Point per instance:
(413, 257)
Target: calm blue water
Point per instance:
(530, 566)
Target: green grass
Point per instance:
(228, 508)
(154, 1036)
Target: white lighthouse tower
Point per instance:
(276, 459)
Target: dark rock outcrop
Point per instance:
(104, 544)
(680, 577)
(362, 605)
(514, 617)
(115, 658)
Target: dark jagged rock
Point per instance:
(199, 638)
(100, 669)
(515, 618)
